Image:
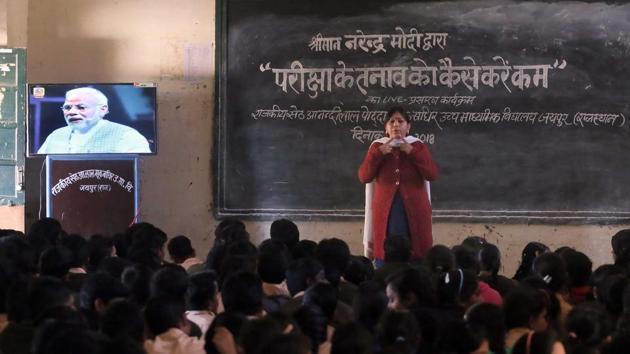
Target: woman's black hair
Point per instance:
(400, 110)
(415, 285)
(530, 252)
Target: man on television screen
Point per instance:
(88, 132)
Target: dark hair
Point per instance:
(397, 109)
(292, 343)
(58, 337)
(114, 266)
(579, 267)
(323, 295)
(413, 286)
(202, 289)
(312, 321)
(474, 242)
(231, 321)
(304, 249)
(78, 246)
(521, 305)
(100, 286)
(535, 342)
(528, 255)
(467, 258)
(334, 254)
(45, 293)
(620, 243)
(137, 279)
(588, 327)
(98, 248)
(301, 273)
(242, 292)
(123, 318)
(16, 256)
(44, 233)
(55, 261)
(171, 281)
(369, 304)
(398, 332)
(162, 314)
(488, 321)
(256, 332)
(457, 287)
(180, 248)
(600, 274)
(440, 259)
(273, 259)
(285, 231)
(397, 249)
(551, 268)
(612, 294)
(351, 338)
(359, 269)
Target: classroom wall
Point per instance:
(172, 43)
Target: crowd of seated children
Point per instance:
(113, 294)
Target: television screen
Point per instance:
(92, 119)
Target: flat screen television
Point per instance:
(75, 118)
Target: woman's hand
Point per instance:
(406, 147)
(386, 148)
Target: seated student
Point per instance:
(223, 332)
(182, 253)
(304, 249)
(351, 338)
(397, 257)
(589, 329)
(334, 255)
(273, 259)
(285, 231)
(487, 322)
(202, 299)
(97, 291)
(169, 281)
(530, 252)
(55, 262)
(314, 318)
(467, 259)
(122, 319)
(490, 261)
(398, 332)
(439, 260)
(579, 268)
(540, 343)
(257, 332)
(301, 274)
(525, 310)
(167, 323)
(79, 264)
(242, 293)
(359, 269)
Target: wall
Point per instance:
(172, 43)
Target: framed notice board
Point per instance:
(523, 105)
(92, 195)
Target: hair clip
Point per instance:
(447, 279)
(461, 281)
(547, 278)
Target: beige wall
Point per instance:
(163, 41)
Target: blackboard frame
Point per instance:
(446, 215)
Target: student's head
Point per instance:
(170, 281)
(123, 318)
(458, 287)
(273, 259)
(579, 267)
(78, 246)
(137, 280)
(487, 321)
(588, 327)
(242, 292)
(334, 255)
(359, 269)
(202, 292)
(490, 258)
(611, 294)
(256, 332)
(530, 252)
(304, 249)
(55, 261)
(410, 288)
(58, 337)
(324, 296)
(98, 248)
(369, 304)
(474, 242)
(600, 274)
(440, 259)
(17, 256)
(45, 293)
(398, 332)
(551, 268)
(230, 230)
(540, 343)
(44, 233)
(180, 249)
(620, 243)
(303, 272)
(285, 231)
(398, 124)
(232, 321)
(98, 290)
(467, 258)
(162, 314)
(84, 107)
(397, 249)
(526, 307)
(351, 338)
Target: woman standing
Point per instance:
(398, 165)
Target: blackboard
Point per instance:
(523, 105)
